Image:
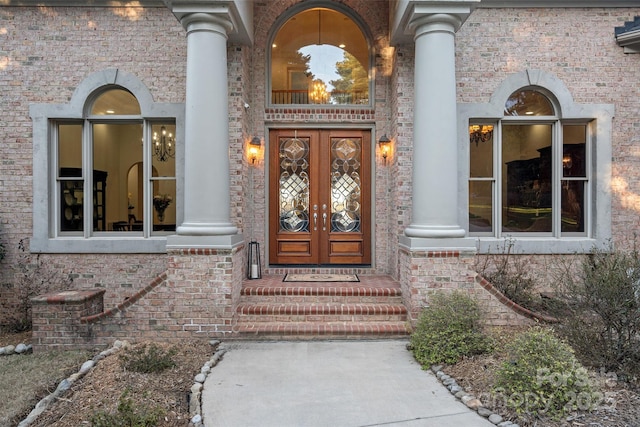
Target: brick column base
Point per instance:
(204, 287)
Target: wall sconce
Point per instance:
(567, 161)
(385, 145)
(480, 133)
(254, 148)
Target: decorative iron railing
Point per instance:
(285, 96)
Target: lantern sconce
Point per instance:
(385, 146)
(254, 148)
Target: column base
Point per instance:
(434, 231)
(206, 229)
(462, 245)
(204, 242)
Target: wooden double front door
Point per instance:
(319, 197)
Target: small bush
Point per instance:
(33, 277)
(542, 376)
(448, 330)
(601, 315)
(510, 275)
(129, 414)
(148, 359)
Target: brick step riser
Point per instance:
(266, 318)
(264, 336)
(326, 331)
(306, 309)
(316, 299)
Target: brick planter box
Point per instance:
(56, 319)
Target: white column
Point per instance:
(206, 168)
(435, 170)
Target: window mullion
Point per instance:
(147, 214)
(55, 215)
(557, 153)
(589, 185)
(497, 180)
(87, 176)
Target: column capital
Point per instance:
(412, 16)
(441, 22)
(202, 21)
(234, 18)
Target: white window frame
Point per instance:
(46, 117)
(597, 117)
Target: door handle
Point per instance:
(315, 220)
(324, 221)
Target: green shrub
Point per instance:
(148, 359)
(448, 330)
(542, 376)
(601, 316)
(129, 414)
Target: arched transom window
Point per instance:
(320, 56)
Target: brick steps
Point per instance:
(322, 312)
(274, 310)
(331, 330)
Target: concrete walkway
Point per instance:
(328, 384)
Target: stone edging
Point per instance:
(195, 410)
(470, 401)
(67, 382)
(16, 349)
(195, 401)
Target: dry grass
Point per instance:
(26, 379)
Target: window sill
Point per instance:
(97, 245)
(538, 245)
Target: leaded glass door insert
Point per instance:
(319, 197)
(345, 185)
(294, 185)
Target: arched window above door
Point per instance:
(320, 56)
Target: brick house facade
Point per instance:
(56, 57)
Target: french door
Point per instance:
(319, 197)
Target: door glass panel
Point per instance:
(294, 184)
(345, 185)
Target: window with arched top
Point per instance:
(99, 193)
(108, 169)
(320, 56)
(529, 171)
